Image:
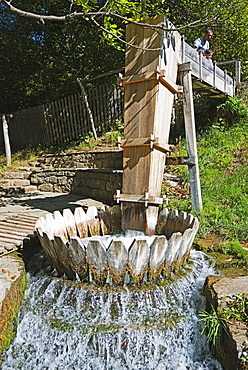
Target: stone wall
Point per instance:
(53, 180)
(99, 184)
(94, 175)
(104, 159)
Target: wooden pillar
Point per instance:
(150, 84)
(6, 140)
(189, 119)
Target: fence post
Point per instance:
(6, 139)
(87, 107)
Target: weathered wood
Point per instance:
(69, 222)
(81, 222)
(188, 108)
(60, 224)
(189, 161)
(63, 254)
(148, 106)
(50, 251)
(93, 221)
(97, 259)
(77, 257)
(157, 255)
(148, 200)
(117, 257)
(173, 248)
(138, 258)
(105, 220)
(115, 219)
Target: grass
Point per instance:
(87, 142)
(223, 166)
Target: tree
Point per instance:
(46, 45)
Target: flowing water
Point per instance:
(64, 327)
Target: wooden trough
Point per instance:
(91, 245)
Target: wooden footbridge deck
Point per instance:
(207, 77)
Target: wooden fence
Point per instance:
(66, 119)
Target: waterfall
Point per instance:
(62, 326)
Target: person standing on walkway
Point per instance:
(202, 43)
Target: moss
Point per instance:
(10, 309)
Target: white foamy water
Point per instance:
(64, 327)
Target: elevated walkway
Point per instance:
(207, 77)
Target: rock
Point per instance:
(218, 292)
(12, 280)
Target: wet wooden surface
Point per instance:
(14, 229)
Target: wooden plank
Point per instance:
(16, 224)
(138, 258)
(148, 108)
(117, 257)
(81, 222)
(157, 255)
(60, 228)
(63, 255)
(189, 120)
(70, 222)
(77, 258)
(7, 242)
(13, 231)
(170, 161)
(93, 220)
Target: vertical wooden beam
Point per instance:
(148, 107)
(188, 109)
(6, 139)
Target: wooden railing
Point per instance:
(66, 119)
(208, 72)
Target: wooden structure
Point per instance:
(14, 229)
(150, 83)
(73, 245)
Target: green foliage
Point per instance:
(231, 111)
(111, 137)
(223, 165)
(235, 249)
(237, 309)
(86, 142)
(213, 326)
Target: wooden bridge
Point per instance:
(151, 81)
(207, 77)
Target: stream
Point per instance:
(62, 326)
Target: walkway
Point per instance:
(19, 213)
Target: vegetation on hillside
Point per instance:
(41, 60)
(223, 165)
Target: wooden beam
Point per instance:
(189, 161)
(189, 119)
(153, 143)
(134, 198)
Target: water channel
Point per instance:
(62, 326)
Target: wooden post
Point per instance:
(87, 107)
(150, 84)
(6, 140)
(188, 108)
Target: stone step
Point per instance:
(6, 183)
(13, 190)
(17, 175)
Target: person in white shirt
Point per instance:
(202, 43)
